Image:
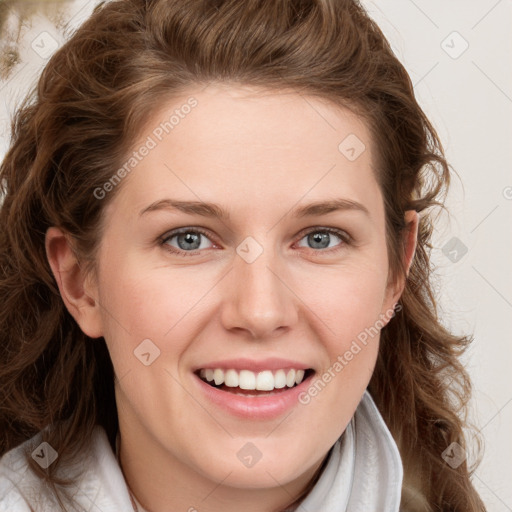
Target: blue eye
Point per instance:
(189, 240)
(320, 238)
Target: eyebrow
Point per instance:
(213, 210)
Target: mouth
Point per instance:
(249, 383)
(253, 390)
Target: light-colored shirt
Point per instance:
(363, 474)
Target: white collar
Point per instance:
(364, 472)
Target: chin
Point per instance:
(252, 468)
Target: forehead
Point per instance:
(227, 116)
(241, 145)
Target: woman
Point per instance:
(215, 271)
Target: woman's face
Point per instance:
(271, 286)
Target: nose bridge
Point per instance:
(258, 301)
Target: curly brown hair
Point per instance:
(75, 129)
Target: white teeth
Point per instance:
(248, 380)
(265, 381)
(218, 376)
(280, 379)
(231, 379)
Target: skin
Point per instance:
(259, 155)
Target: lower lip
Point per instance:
(262, 407)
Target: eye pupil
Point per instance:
(189, 238)
(319, 240)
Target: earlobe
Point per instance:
(70, 280)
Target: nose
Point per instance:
(258, 298)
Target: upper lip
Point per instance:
(272, 363)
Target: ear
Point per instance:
(395, 290)
(412, 221)
(72, 283)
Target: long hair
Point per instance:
(74, 131)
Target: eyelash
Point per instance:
(344, 236)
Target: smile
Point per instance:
(266, 380)
(252, 390)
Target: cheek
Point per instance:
(347, 300)
(139, 303)
(350, 311)
(348, 307)
(126, 305)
